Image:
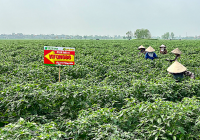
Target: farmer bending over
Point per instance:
(177, 52)
(142, 50)
(178, 71)
(150, 53)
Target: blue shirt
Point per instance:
(148, 57)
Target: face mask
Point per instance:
(162, 49)
(150, 54)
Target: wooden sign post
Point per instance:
(59, 56)
(59, 73)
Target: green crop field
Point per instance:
(111, 92)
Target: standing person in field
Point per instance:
(178, 71)
(142, 50)
(163, 49)
(177, 52)
(150, 54)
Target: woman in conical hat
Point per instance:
(178, 70)
(177, 52)
(163, 49)
(142, 50)
(150, 53)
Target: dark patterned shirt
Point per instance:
(163, 51)
(142, 52)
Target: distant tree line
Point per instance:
(142, 34)
(53, 36)
(139, 34)
(168, 36)
(145, 34)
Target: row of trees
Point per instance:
(145, 34)
(167, 35)
(139, 34)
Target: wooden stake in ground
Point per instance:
(59, 73)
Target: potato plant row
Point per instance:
(110, 93)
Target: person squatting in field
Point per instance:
(177, 52)
(178, 71)
(142, 50)
(163, 49)
(150, 54)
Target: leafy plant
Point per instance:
(110, 93)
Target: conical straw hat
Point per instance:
(176, 67)
(141, 47)
(162, 46)
(176, 51)
(150, 49)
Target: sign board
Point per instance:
(58, 56)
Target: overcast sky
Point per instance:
(100, 17)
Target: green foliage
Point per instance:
(129, 35)
(166, 35)
(142, 34)
(162, 119)
(110, 93)
(23, 130)
(139, 120)
(172, 35)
